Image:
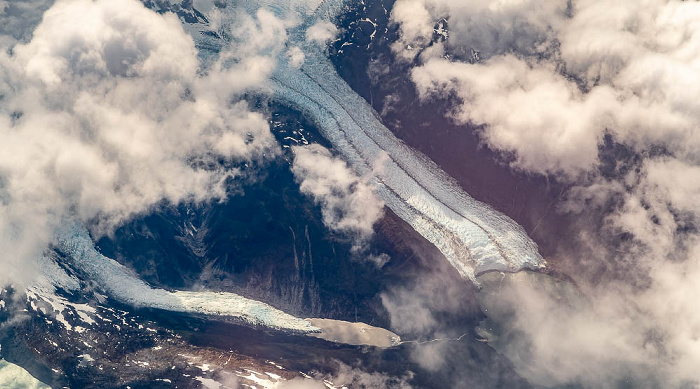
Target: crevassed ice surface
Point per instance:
(122, 284)
(473, 237)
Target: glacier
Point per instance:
(472, 236)
(15, 377)
(73, 240)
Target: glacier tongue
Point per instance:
(122, 284)
(473, 237)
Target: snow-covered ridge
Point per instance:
(121, 283)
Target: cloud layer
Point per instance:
(105, 114)
(349, 204)
(559, 75)
(602, 97)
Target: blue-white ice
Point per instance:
(473, 237)
(15, 377)
(124, 285)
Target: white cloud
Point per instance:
(357, 377)
(554, 337)
(105, 115)
(640, 324)
(489, 27)
(535, 112)
(415, 27)
(417, 307)
(296, 56)
(637, 63)
(550, 82)
(349, 203)
(321, 32)
(614, 332)
(301, 383)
